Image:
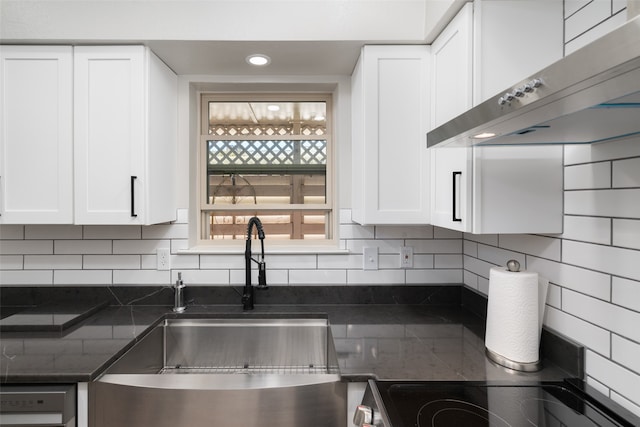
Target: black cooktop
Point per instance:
(468, 404)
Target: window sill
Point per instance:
(270, 249)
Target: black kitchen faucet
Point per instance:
(247, 295)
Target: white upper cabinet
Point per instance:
(125, 132)
(36, 137)
(486, 47)
(451, 65)
(498, 189)
(512, 40)
(390, 114)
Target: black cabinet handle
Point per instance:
(133, 197)
(455, 191)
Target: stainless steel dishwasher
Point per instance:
(38, 405)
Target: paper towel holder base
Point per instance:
(508, 363)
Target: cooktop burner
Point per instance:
(435, 404)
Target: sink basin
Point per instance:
(224, 371)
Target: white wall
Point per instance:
(594, 266)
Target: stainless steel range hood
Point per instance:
(591, 95)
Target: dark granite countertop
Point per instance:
(387, 341)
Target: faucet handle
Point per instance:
(262, 275)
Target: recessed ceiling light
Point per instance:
(484, 135)
(273, 107)
(258, 59)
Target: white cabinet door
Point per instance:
(36, 138)
(513, 40)
(452, 73)
(497, 189)
(119, 172)
(390, 114)
(451, 178)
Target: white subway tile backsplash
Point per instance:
(588, 176)
(541, 246)
(572, 6)
(487, 239)
(111, 262)
(579, 279)
(384, 246)
(404, 232)
(49, 262)
(470, 248)
(11, 232)
(11, 262)
(141, 277)
(611, 317)
(318, 277)
(26, 247)
(448, 261)
(618, 5)
(477, 266)
(483, 285)
(626, 233)
(626, 293)
(274, 277)
(594, 33)
(177, 262)
(82, 277)
(26, 277)
(587, 334)
(626, 173)
(331, 261)
(585, 18)
(554, 296)
(207, 277)
(112, 232)
(355, 231)
(80, 247)
(445, 233)
(291, 261)
(621, 203)
(166, 231)
(614, 376)
(375, 277)
(587, 229)
(607, 259)
(590, 153)
(52, 232)
(626, 353)
(499, 256)
(437, 246)
(221, 261)
(435, 276)
(139, 246)
(470, 279)
(422, 261)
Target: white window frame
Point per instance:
(282, 246)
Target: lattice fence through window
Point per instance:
(267, 152)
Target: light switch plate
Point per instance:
(370, 258)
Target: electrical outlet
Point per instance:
(163, 259)
(406, 257)
(370, 259)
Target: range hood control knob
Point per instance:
(363, 416)
(508, 97)
(527, 88)
(536, 83)
(519, 93)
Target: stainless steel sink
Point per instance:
(226, 371)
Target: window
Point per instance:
(268, 156)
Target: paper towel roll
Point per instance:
(514, 314)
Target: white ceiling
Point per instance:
(287, 57)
